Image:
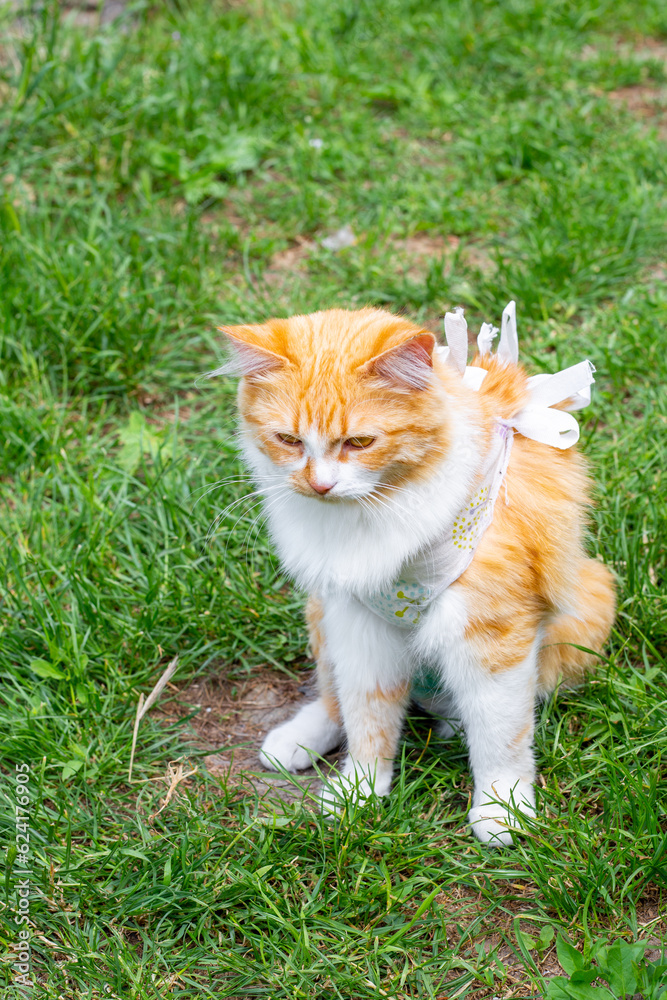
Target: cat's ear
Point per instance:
(407, 366)
(247, 354)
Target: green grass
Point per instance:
(151, 172)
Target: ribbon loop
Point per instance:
(540, 423)
(571, 387)
(456, 332)
(508, 348)
(546, 390)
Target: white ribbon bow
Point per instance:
(537, 419)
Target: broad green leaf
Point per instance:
(584, 991)
(595, 729)
(584, 976)
(233, 154)
(81, 693)
(167, 160)
(198, 188)
(277, 821)
(526, 940)
(138, 439)
(71, 767)
(557, 989)
(546, 937)
(569, 957)
(11, 217)
(45, 669)
(656, 977)
(618, 969)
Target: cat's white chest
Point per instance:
(363, 549)
(326, 547)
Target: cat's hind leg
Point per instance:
(567, 637)
(317, 728)
(497, 709)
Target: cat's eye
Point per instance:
(288, 439)
(360, 442)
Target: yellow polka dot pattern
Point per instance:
(471, 522)
(403, 604)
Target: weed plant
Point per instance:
(175, 170)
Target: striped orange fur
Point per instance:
(371, 443)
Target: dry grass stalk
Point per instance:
(145, 706)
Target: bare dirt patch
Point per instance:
(234, 717)
(646, 103)
(651, 48)
(85, 13)
(418, 250)
(90, 13)
(641, 49)
(496, 933)
(288, 264)
(414, 255)
(646, 100)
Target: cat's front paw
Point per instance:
(296, 744)
(491, 821)
(355, 783)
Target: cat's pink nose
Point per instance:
(320, 488)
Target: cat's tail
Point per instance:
(560, 659)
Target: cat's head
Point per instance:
(339, 404)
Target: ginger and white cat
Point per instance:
(430, 533)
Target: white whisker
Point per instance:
(276, 503)
(230, 507)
